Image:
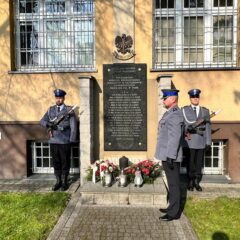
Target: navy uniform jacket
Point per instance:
(203, 138)
(170, 130)
(67, 128)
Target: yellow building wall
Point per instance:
(220, 89)
(26, 97)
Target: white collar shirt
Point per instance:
(197, 108)
(61, 107)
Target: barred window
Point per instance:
(195, 34)
(55, 35)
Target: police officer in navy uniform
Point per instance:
(61, 136)
(169, 151)
(197, 139)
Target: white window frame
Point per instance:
(48, 170)
(220, 170)
(178, 13)
(219, 145)
(69, 16)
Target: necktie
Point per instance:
(58, 109)
(195, 111)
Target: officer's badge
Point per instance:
(123, 45)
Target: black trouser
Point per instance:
(61, 158)
(195, 163)
(173, 188)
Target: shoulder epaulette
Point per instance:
(205, 109)
(69, 107)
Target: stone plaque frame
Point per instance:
(125, 107)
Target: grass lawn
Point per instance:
(30, 215)
(217, 219)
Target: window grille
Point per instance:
(195, 34)
(55, 35)
(42, 159)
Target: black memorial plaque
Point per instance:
(125, 107)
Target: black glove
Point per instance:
(191, 129)
(51, 125)
(206, 119)
(72, 144)
(170, 163)
(207, 147)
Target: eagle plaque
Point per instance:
(124, 45)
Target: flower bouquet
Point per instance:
(150, 171)
(97, 171)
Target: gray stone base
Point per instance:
(147, 195)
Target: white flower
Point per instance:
(110, 169)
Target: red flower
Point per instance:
(145, 171)
(97, 173)
(133, 171)
(103, 168)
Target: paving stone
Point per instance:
(111, 219)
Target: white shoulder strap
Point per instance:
(184, 115)
(51, 119)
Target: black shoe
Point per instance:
(198, 188)
(65, 183)
(64, 187)
(190, 189)
(58, 183)
(168, 218)
(190, 185)
(163, 210)
(57, 186)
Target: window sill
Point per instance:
(195, 69)
(52, 71)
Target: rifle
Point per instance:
(193, 127)
(53, 123)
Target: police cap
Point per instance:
(169, 92)
(59, 93)
(194, 93)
